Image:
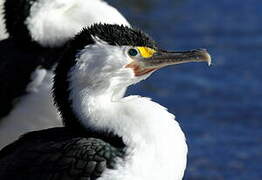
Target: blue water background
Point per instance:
(218, 107)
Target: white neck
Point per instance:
(156, 145)
(52, 22)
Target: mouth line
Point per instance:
(145, 71)
(138, 70)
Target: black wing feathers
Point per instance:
(63, 158)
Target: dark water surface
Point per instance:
(219, 108)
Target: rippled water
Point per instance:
(219, 108)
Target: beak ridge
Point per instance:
(165, 58)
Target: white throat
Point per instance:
(156, 147)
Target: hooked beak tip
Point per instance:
(206, 56)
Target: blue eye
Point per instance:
(132, 52)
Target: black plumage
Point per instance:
(58, 154)
(117, 35)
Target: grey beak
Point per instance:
(165, 58)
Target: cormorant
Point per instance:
(107, 136)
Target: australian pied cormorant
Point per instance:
(37, 32)
(107, 136)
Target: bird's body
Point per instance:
(38, 30)
(154, 148)
(133, 137)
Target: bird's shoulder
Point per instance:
(56, 154)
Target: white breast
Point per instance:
(34, 111)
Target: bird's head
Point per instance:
(106, 59)
(117, 56)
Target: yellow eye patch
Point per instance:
(146, 52)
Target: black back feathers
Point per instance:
(57, 154)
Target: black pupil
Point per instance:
(132, 52)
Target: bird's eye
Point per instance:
(133, 52)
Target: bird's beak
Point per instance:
(163, 58)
